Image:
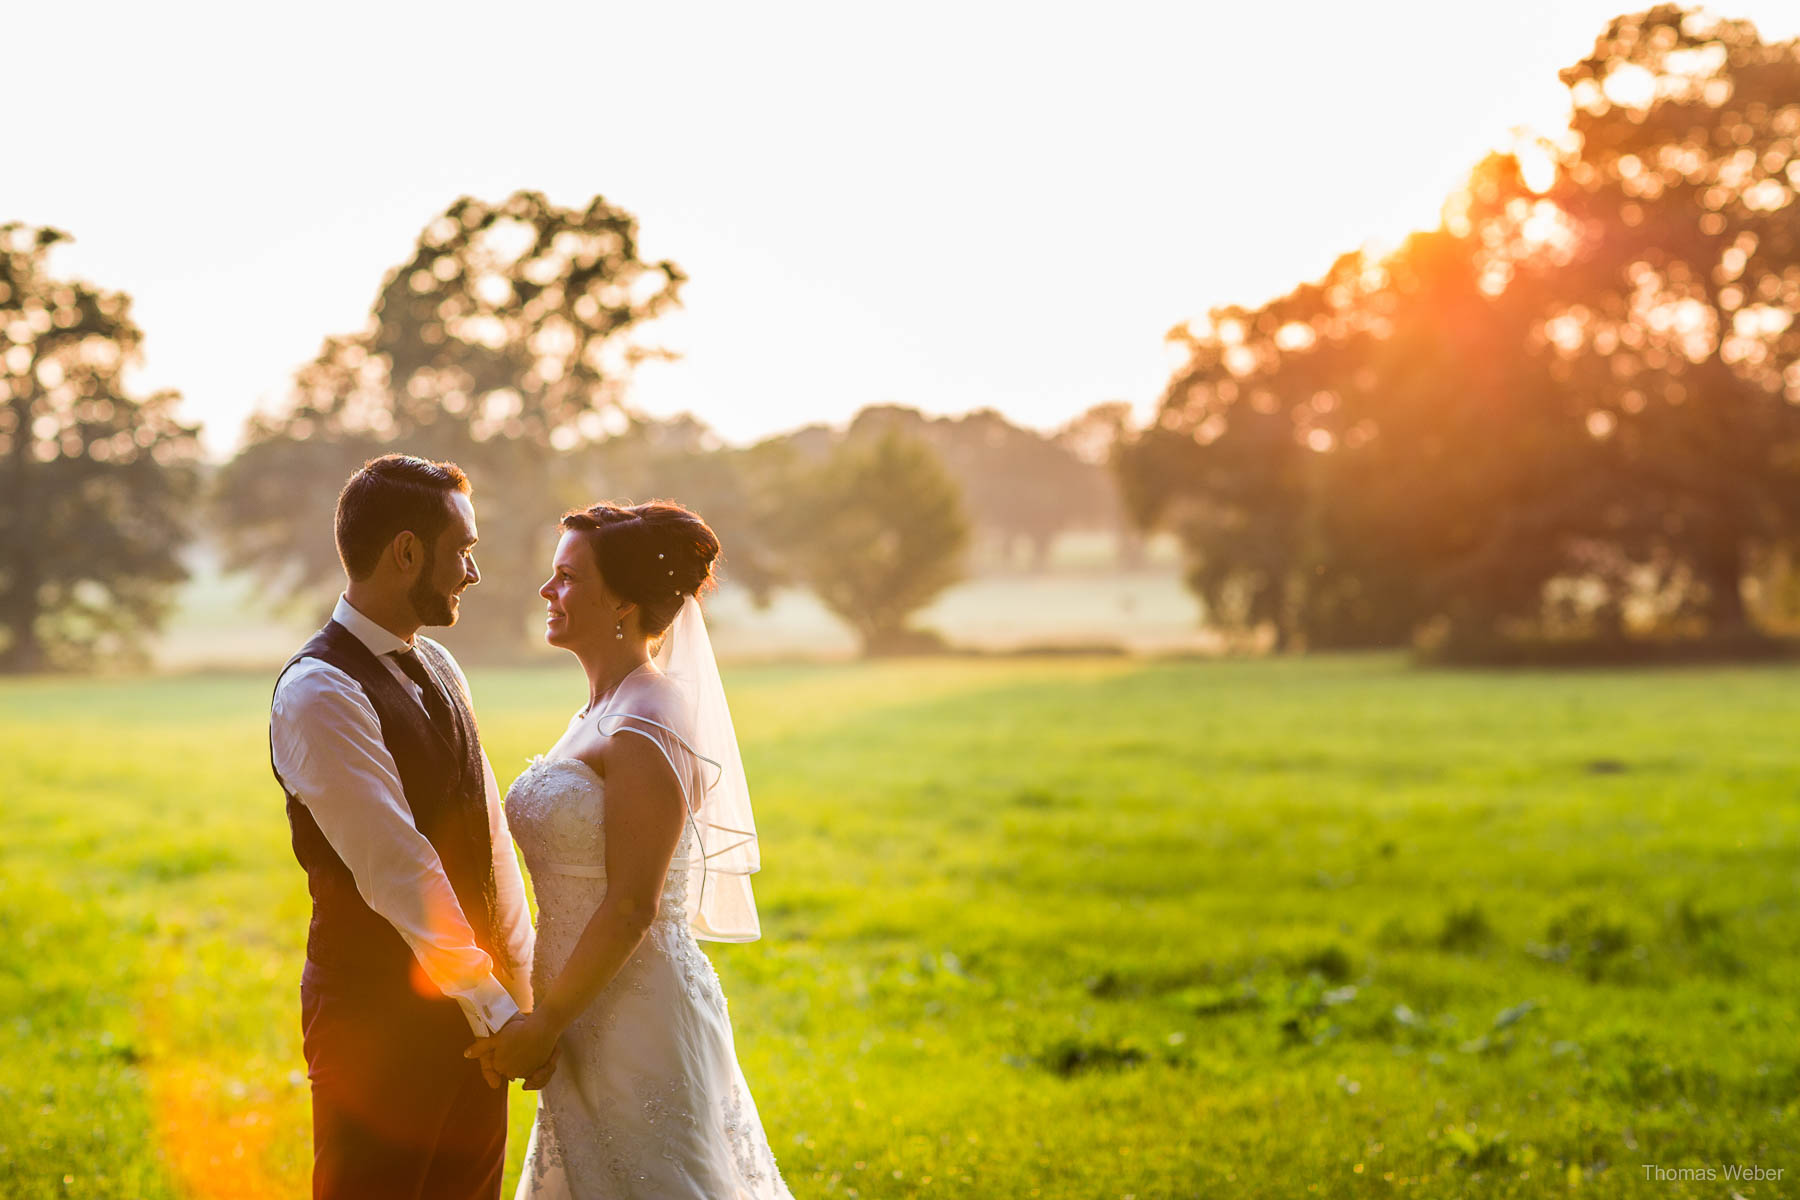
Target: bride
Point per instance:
(636, 826)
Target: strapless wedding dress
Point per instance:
(647, 1099)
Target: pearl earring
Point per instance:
(621, 631)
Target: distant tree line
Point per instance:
(1568, 416)
(505, 343)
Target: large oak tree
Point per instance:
(96, 482)
(1573, 409)
(505, 341)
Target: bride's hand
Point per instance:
(519, 1049)
(538, 1078)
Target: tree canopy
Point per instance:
(877, 533)
(95, 480)
(1573, 410)
(503, 342)
(1018, 485)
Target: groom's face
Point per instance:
(448, 566)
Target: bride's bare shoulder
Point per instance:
(653, 695)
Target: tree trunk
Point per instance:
(1722, 570)
(1284, 637)
(25, 651)
(18, 529)
(25, 655)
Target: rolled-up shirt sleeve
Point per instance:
(329, 752)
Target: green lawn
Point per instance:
(1056, 928)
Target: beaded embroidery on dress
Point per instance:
(648, 1099)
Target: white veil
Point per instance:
(720, 904)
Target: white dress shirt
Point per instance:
(328, 750)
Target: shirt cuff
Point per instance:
(488, 1006)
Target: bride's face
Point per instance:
(581, 609)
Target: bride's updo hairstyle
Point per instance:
(656, 555)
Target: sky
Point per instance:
(947, 206)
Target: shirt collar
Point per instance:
(378, 640)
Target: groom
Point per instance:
(420, 938)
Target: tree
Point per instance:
(1675, 315)
(1252, 462)
(1018, 484)
(505, 342)
(1648, 287)
(879, 533)
(1572, 409)
(95, 480)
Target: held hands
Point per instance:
(538, 1078)
(524, 1048)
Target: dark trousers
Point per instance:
(398, 1112)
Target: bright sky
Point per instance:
(947, 206)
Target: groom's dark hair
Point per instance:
(390, 495)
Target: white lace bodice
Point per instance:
(557, 810)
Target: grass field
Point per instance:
(1033, 928)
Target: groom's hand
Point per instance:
(482, 1050)
(518, 1049)
(538, 1078)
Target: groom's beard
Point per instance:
(431, 606)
